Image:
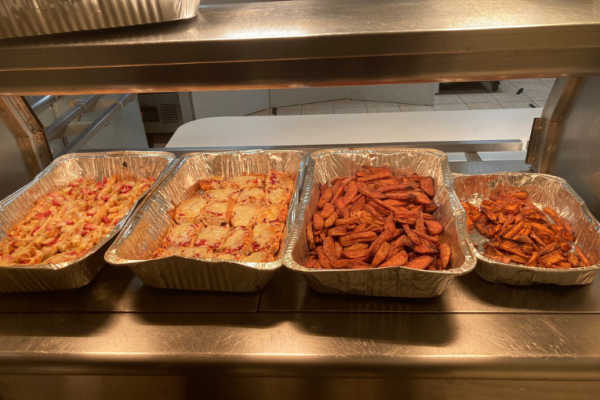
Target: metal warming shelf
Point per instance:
(314, 43)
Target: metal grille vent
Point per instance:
(169, 113)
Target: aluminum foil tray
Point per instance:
(42, 17)
(143, 235)
(392, 281)
(544, 190)
(77, 273)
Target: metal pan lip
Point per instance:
(112, 258)
(460, 214)
(172, 162)
(546, 271)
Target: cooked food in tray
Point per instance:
(522, 233)
(375, 220)
(66, 223)
(241, 218)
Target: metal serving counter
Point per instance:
(477, 339)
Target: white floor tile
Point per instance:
(348, 103)
(477, 98)
(516, 104)
(379, 104)
(506, 97)
(517, 82)
(317, 111)
(450, 107)
(289, 111)
(548, 81)
(319, 105)
(540, 103)
(350, 110)
(532, 86)
(447, 99)
(413, 107)
(538, 94)
(383, 109)
(484, 106)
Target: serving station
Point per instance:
(117, 338)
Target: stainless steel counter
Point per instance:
(477, 340)
(314, 43)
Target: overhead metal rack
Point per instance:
(314, 43)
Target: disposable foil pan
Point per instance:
(392, 281)
(32, 18)
(544, 190)
(143, 235)
(79, 272)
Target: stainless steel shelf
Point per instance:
(501, 341)
(314, 43)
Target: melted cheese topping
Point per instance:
(243, 216)
(266, 237)
(245, 181)
(279, 196)
(253, 196)
(277, 179)
(221, 195)
(71, 219)
(181, 235)
(255, 206)
(272, 214)
(211, 183)
(190, 209)
(212, 237)
(216, 213)
(197, 252)
(238, 242)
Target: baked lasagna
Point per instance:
(240, 219)
(68, 222)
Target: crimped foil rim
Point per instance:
(459, 213)
(112, 258)
(13, 197)
(584, 209)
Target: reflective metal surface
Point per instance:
(24, 150)
(314, 43)
(23, 18)
(476, 341)
(576, 143)
(453, 146)
(117, 289)
(289, 292)
(543, 141)
(314, 388)
(328, 345)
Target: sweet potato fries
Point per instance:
(521, 233)
(375, 220)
